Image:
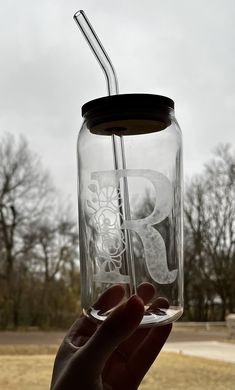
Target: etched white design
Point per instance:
(106, 214)
(110, 243)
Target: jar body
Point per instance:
(130, 217)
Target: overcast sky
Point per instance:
(183, 49)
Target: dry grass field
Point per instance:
(30, 367)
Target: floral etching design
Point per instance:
(105, 217)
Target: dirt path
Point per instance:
(54, 338)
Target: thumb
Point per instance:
(116, 328)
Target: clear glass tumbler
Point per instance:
(130, 203)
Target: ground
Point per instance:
(26, 360)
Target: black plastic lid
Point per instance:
(119, 114)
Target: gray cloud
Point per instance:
(182, 49)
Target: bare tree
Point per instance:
(39, 270)
(210, 234)
(25, 191)
(54, 257)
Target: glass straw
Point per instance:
(99, 51)
(117, 141)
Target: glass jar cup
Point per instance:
(130, 204)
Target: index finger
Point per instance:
(110, 298)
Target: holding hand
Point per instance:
(115, 355)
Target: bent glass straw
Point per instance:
(117, 141)
(98, 50)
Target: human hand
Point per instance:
(115, 355)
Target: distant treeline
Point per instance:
(39, 268)
(210, 239)
(39, 259)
